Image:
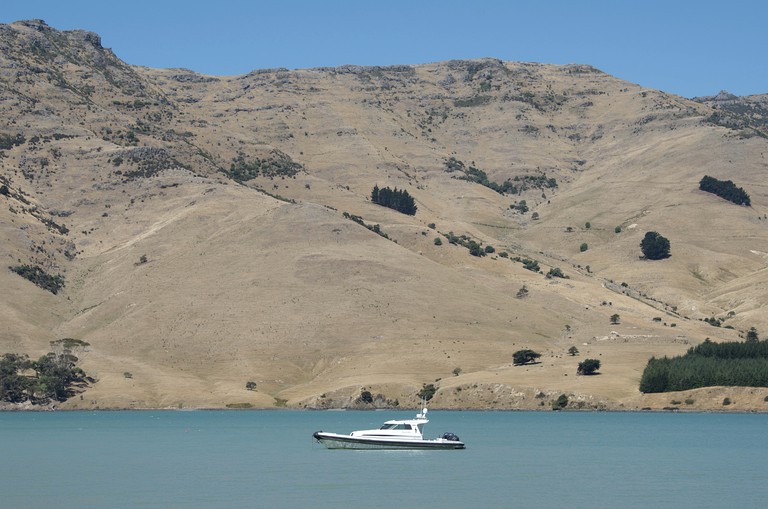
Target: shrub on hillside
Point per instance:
(560, 403)
(427, 391)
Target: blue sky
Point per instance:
(690, 48)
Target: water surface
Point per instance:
(234, 459)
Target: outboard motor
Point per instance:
(452, 437)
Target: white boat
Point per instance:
(395, 434)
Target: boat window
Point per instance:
(389, 426)
(403, 426)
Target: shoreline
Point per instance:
(505, 398)
(668, 410)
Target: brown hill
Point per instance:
(211, 230)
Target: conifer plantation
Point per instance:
(709, 364)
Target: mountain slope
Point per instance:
(203, 226)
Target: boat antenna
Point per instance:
(423, 414)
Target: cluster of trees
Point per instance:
(427, 391)
(517, 185)
(528, 264)
(725, 189)
(53, 376)
(400, 200)
(475, 248)
(655, 246)
(527, 356)
(277, 164)
(375, 228)
(521, 206)
(35, 274)
(556, 272)
(743, 364)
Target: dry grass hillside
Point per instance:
(211, 230)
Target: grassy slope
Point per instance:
(239, 286)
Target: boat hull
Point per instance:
(336, 441)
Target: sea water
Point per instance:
(244, 459)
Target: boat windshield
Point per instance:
(396, 425)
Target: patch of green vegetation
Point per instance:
(469, 102)
(525, 356)
(556, 272)
(655, 246)
(239, 406)
(56, 377)
(725, 189)
(394, 199)
(276, 164)
(38, 276)
(560, 403)
(516, 185)
(277, 196)
(528, 263)
(8, 141)
(588, 367)
(475, 248)
(146, 162)
(375, 228)
(427, 391)
(741, 364)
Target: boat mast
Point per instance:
(423, 414)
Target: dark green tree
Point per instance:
(655, 246)
(56, 376)
(556, 272)
(573, 351)
(14, 386)
(725, 189)
(38, 276)
(395, 199)
(525, 356)
(655, 376)
(588, 367)
(475, 249)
